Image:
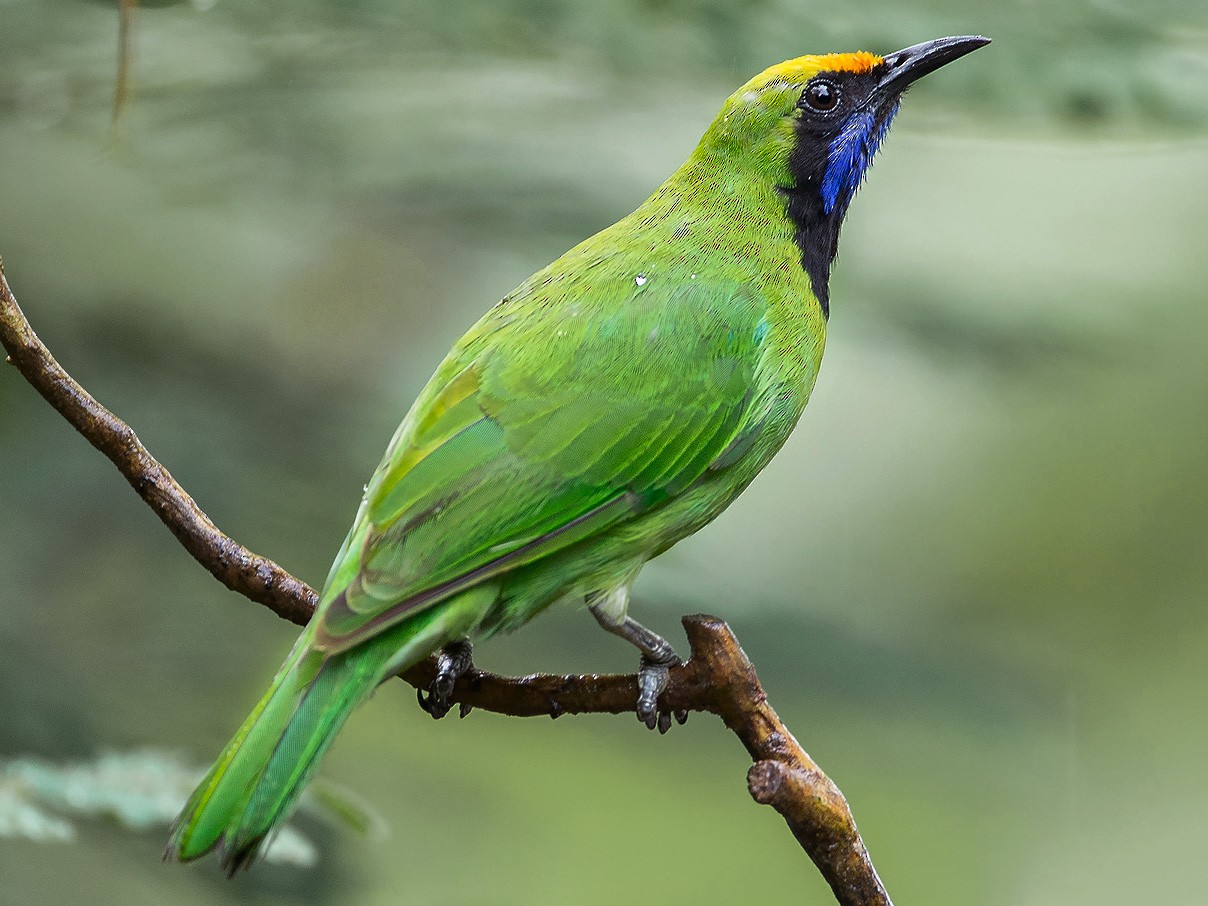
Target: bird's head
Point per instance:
(812, 125)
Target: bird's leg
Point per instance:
(454, 660)
(658, 657)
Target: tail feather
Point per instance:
(340, 684)
(247, 789)
(264, 768)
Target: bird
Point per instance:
(612, 404)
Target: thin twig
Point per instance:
(127, 18)
(717, 678)
(230, 563)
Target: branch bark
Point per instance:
(717, 678)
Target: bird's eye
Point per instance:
(821, 96)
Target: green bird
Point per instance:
(612, 404)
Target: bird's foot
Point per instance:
(454, 660)
(652, 680)
(658, 657)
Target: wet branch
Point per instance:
(717, 678)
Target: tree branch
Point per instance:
(717, 678)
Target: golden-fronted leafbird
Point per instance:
(612, 404)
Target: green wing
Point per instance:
(571, 407)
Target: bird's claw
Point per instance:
(652, 680)
(454, 660)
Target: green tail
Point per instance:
(264, 768)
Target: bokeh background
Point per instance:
(974, 583)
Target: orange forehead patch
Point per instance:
(802, 69)
(860, 61)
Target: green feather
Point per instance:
(611, 405)
(262, 771)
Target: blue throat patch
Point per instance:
(850, 155)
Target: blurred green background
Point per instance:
(974, 583)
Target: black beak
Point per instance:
(913, 63)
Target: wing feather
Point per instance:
(551, 421)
